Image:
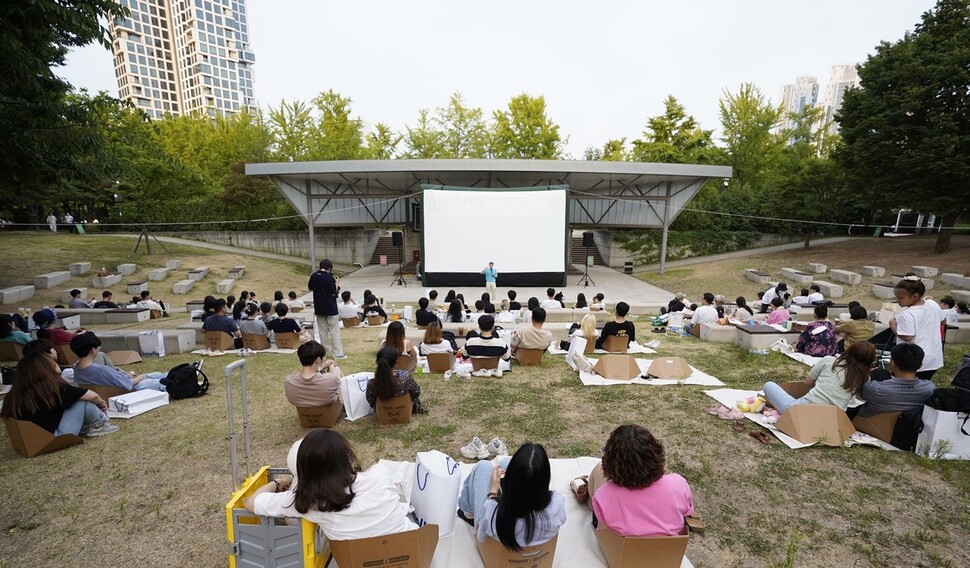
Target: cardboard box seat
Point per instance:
(349, 322)
(409, 549)
(395, 410)
(441, 362)
(816, 423)
(616, 344)
(880, 426)
(30, 440)
(288, 340)
(632, 552)
(65, 356)
(10, 351)
(495, 555)
(406, 362)
(479, 363)
(320, 416)
(529, 357)
(218, 341)
(255, 341)
(375, 320)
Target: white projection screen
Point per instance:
(522, 230)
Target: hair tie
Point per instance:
(911, 278)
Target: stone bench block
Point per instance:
(79, 268)
(756, 275)
(884, 290)
(830, 290)
(88, 316)
(196, 328)
(127, 269)
(930, 284)
(65, 295)
(176, 340)
(956, 280)
(199, 273)
(797, 276)
(874, 271)
(183, 286)
(818, 267)
(158, 274)
(51, 279)
(960, 295)
(173, 264)
(15, 294)
(104, 282)
(845, 277)
(716, 333)
(126, 315)
(237, 272)
(225, 286)
(136, 288)
(71, 320)
(959, 333)
(925, 271)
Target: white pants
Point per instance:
(490, 289)
(329, 330)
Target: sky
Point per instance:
(603, 67)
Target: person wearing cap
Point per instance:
(678, 304)
(77, 303)
(779, 291)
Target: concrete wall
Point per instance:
(345, 246)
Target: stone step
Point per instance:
(874, 271)
(797, 276)
(960, 295)
(159, 274)
(884, 290)
(127, 269)
(15, 294)
(79, 268)
(818, 267)
(845, 277)
(136, 288)
(103, 282)
(199, 273)
(183, 286)
(225, 286)
(925, 271)
(173, 264)
(896, 278)
(237, 272)
(955, 279)
(51, 279)
(756, 275)
(830, 290)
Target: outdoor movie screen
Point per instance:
(523, 231)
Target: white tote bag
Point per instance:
(434, 494)
(152, 343)
(576, 345)
(943, 435)
(353, 391)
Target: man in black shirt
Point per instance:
(106, 301)
(424, 316)
(620, 327)
(513, 305)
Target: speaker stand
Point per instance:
(399, 278)
(586, 280)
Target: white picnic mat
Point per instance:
(803, 358)
(577, 544)
(238, 352)
(634, 349)
(730, 397)
(697, 377)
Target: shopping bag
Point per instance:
(152, 343)
(409, 313)
(434, 495)
(353, 391)
(945, 435)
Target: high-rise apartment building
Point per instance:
(184, 57)
(795, 97)
(842, 78)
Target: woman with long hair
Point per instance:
(587, 328)
(450, 297)
(239, 309)
(630, 492)
(456, 312)
(330, 489)
(835, 380)
(433, 341)
(39, 395)
(511, 501)
(741, 309)
(919, 322)
(389, 382)
(581, 302)
(533, 303)
(396, 338)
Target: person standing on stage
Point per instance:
(490, 275)
(325, 289)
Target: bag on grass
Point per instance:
(353, 391)
(183, 382)
(435, 491)
(962, 378)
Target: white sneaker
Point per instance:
(497, 373)
(464, 374)
(652, 344)
(105, 427)
(482, 373)
(475, 450)
(497, 447)
(447, 375)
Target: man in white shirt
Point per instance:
(551, 302)
(816, 296)
(802, 299)
(294, 302)
(705, 313)
(347, 308)
(148, 302)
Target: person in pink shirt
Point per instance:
(629, 491)
(778, 314)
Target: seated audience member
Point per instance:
(949, 308)
(705, 313)
(513, 305)
(619, 327)
(461, 298)
(433, 300)
(106, 301)
(239, 311)
(77, 302)
(815, 296)
(741, 309)
(802, 298)
(834, 380)
(147, 301)
(629, 491)
(252, 299)
(479, 311)
(581, 302)
(283, 324)
(779, 291)
(489, 308)
(389, 382)
(532, 304)
(511, 502)
(778, 314)
(450, 297)
(266, 312)
(903, 391)
(396, 338)
(719, 305)
(532, 336)
(87, 346)
(221, 321)
(277, 297)
(294, 301)
(423, 316)
(505, 315)
(962, 309)
(550, 302)
(858, 328)
(56, 335)
(485, 343)
(104, 272)
(373, 308)
(818, 338)
(253, 325)
(332, 491)
(39, 395)
(678, 304)
(456, 312)
(208, 309)
(599, 302)
(10, 332)
(433, 340)
(318, 384)
(346, 308)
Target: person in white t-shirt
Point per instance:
(949, 307)
(802, 298)
(294, 302)
(345, 502)
(551, 302)
(779, 291)
(919, 322)
(705, 313)
(347, 308)
(816, 295)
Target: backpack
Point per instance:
(183, 382)
(962, 378)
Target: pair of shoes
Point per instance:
(464, 374)
(461, 515)
(659, 330)
(482, 373)
(476, 449)
(716, 409)
(761, 437)
(730, 414)
(738, 426)
(497, 373)
(652, 344)
(447, 375)
(105, 427)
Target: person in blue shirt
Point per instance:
(86, 372)
(490, 276)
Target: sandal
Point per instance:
(580, 487)
(695, 525)
(761, 437)
(738, 426)
(717, 409)
(730, 414)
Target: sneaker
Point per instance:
(653, 344)
(447, 375)
(497, 373)
(497, 447)
(105, 427)
(464, 374)
(474, 450)
(341, 357)
(482, 373)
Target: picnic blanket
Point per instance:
(803, 358)
(577, 544)
(240, 353)
(730, 397)
(696, 378)
(634, 349)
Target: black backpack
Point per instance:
(183, 382)
(962, 378)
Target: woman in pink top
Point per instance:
(629, 491)
(778, 314)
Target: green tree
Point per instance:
(907, 129)
(613, 150)
(291, 125)
(747, 120)
(464, 131)
(524, 131)
(424, 140)
(336, 136)
(381, 142)
(674, 137)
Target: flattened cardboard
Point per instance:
(124, 357)
(320, 416)
(816, 423)
(880, 426)
(669, 368)
(630, 552)
(617, 367)
(412, 549)
(288, 340)
(494, 555)
(529, 357)
(10, 351)
(441, 362)
(30, 440)
(396, 410)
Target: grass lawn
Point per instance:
(153, 494)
